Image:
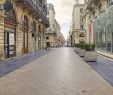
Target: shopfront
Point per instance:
(103, 28)
(9, 31)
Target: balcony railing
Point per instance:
(35, 9)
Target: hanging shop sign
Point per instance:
(90, 27)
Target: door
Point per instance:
(48, 44)
(25, 42)
(10, 50)
(34, 44)
(25, 36)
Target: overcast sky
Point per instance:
(63, 9)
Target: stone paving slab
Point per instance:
(60, 72)
(12, 64)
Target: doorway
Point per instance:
(9, 30)
(48, 44)
(25, 36)
(10, 46)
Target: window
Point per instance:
(81, 10)
(47, 37)
(34, 29)
(48, 12)
(110, 2)
(25, 22)
(25, 34)
(81, 27)
(10, 16)
(81, 18)
(39, 28)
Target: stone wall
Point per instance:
(20, 12)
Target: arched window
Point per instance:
(25, 22)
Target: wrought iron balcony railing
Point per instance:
(36, 9)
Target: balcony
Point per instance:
(35, 9)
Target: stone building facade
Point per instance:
(52, 34)
(23, 25)
(77, 25)
(98, 25)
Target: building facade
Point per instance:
(23, 25)
(77, 26)
(99, 22)
(60, 37)
(53, 34)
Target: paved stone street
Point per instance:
(104, 66)
(61, 72)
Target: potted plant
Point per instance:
(77, 47)
(82, 50)
(90, 54)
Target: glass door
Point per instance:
(10, 50)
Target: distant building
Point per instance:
(99, 25)
(53, 34)
(77, 33)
